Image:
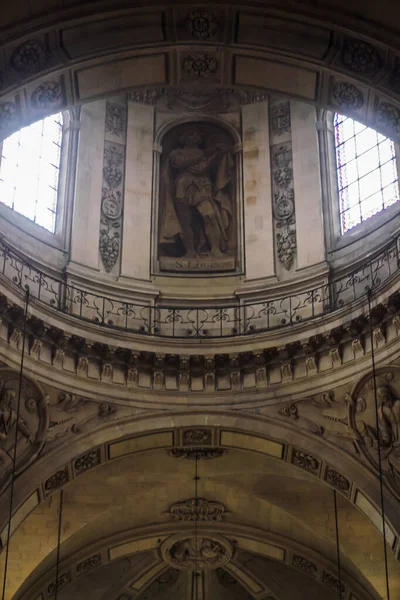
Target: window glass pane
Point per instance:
(366, 170)
(29, 170)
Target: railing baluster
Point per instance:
(350, 287)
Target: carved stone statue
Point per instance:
(197, 201)
(28, 428)
(363, 421)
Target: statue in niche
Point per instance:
(197, 200)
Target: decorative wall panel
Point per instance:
(113, 186)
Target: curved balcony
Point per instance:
(200, 321)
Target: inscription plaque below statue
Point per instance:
(197, 212)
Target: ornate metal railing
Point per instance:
(202, 321)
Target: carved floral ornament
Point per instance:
(201, 25)
(200, 64)
(47, 94)
(188, 551)
(361, 57)
(347, 95)
(30, 57)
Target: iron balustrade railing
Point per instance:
(198, 322)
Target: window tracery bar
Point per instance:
(29, 171)
(366, 171)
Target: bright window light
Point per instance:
(29, 171)
(366, 170)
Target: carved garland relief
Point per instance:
(197, 209)
(113, 185)
(282, 186)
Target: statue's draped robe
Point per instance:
(186, 178)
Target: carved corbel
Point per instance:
(379, 334)
(396, 323)
(184, 362)
(311, 364)
(336, 355)
(236, 380)
(106, 370)
(36, 345)
(356, 331)
(209, 379)
(159, 360)
(184, 380)
(158, 380)
(58, 357)
(82, 365)
(132, 376)
(357, 344)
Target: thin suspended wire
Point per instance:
(196, 519)
(14, 461)
(339, 566)
(59, 541)
(369, 295)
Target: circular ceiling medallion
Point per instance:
(187, 552)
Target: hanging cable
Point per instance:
(378, 437)
(59, 542)
(14, 459)
(196, 519)
(338, 545)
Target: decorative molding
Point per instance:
(280, 118)
(192, 98)
(199, 453)
(56, 481)
(197, 510)
(388, 118)
(87, 461)
(9, 115)
(89, 564)
(333, 583)
(337, 480)
(115, 119)
(304, 565)
(197, 437)
(63, 580)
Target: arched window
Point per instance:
(366, 170)
(29, 171)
